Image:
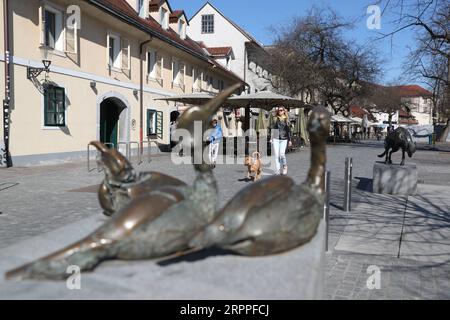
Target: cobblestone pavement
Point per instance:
(35, 200)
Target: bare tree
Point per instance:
(386, 99)
(431, 58)
(313, 60)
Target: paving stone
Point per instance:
(42, 199)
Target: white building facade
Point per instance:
(215, 30)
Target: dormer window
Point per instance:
(182, 29)
(163, 18)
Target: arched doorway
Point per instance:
(111, 128)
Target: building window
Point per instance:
(210, 81)
(163, 18)
(178, 72)
(53, 29)
(154, 65)
(181, 73)
(118, 52)
(197, 80)
(54, 106)
(155, 123)
(208, 23)
(113, 51)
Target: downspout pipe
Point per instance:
(7, 100)
(141, 94)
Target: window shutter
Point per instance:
(125, 54)
(148, 121)
(71, 39)
(42, 22)
(159, 124)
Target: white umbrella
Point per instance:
(263, 100)
(199, 98)
(356, 120)
(340, 119)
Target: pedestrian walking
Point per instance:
(214, 142)
(281, 138)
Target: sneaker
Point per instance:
(284, 170)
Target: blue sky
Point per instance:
(256, 16)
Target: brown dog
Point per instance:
(253, 164)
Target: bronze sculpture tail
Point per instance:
(382, 155)
(55, 266)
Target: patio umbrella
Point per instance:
(261, 122)
(199, 98)
(340, 119)
(300, 126)
(264, 100)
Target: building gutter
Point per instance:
(141, 94)
(7, 99)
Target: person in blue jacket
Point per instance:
(214, 139)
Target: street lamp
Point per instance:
(35, 72)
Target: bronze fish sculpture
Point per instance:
(155, 225)
(274, 214)
(122, 183)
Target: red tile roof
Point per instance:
(357, 111)
(412, 91)
(405, 117)
(175, 16)
(360, 112)
(122, 7)
(177, 13)
(219, 51)
(403, 113)
(408, 121)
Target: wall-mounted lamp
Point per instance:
(35, 72)
(135, 92)
(93, 84)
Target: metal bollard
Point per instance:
(326, 208)
(348, 184)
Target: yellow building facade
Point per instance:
(109, 60)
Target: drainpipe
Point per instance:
(7, 100)
(141, 94)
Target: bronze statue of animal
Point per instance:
(274, 214)
(155, 225)
(121, 183)
(398, 139)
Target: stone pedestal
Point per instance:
(297, 274)
(395, 179)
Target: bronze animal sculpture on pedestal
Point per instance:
(122, 184)
(274, 214)
(400, 138)
(155, 225)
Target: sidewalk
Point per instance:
(408, 238)
(439, 146)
